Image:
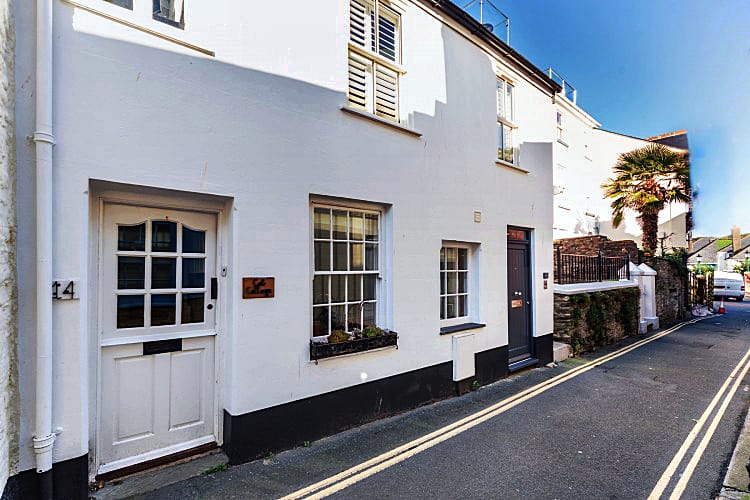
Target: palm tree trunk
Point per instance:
(650, 228)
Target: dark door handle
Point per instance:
(214, 288)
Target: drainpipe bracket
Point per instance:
(44, 137)
(43, 451)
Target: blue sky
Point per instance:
(646, 67)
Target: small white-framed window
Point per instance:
(505, 97)
(454, 283)
(346, 268)
(374, 58)
(171, 12)
(126, 4)
(505, 104)
(559, 126)
(142, 13)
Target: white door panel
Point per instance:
(157, 395)
(134, 389)
(186, 390)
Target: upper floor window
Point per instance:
(505, 116)
(128, 4)
(505, 91)
(171, 12)
(559, 126)
(374, 58)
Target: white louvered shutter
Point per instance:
(361, 22)
(386, 93)
(360, 76)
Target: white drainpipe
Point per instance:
(44, 438)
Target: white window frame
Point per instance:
(470, 291)
(141, 19)
(380, 299)
(559, 120)
(372, 59)
(505, 120)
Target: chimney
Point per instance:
(736, 240)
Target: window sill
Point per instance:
(504, 163)
(136, 25)
(563, 143)
(507, 122)
(381, 121)
(447, 330)
(320, 351)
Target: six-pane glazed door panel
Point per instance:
(157, 333)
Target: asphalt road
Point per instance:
(607, 433)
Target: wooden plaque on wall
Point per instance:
(258, 288)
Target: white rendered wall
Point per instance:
(260, 125)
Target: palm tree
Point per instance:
(646, 180)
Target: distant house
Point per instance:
(720, 251)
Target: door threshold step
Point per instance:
(152, 479)
(520, 365)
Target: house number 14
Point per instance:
(65, 289)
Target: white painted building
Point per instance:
(585, 155)
(396, 173)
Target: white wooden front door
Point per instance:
(157, 323)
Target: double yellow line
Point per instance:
(742, 367)
(381, 462)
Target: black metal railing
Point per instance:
(571, 268)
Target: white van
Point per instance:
(729, 286)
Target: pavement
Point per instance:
(609, 429)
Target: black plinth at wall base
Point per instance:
(543, 349)
(253, 435)
(69, 480)
(463, 386)
(491, 365)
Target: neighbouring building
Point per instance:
(584, 157)
(212, 188)
(722, 252)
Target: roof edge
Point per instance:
(504, 50)
(668, 134)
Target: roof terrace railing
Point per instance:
(568, 90)
(492, 18)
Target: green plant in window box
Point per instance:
(372, 331)
(338, 336)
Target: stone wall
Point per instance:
(671, 291)
(590, 320)
(590, 245)
(8, 298)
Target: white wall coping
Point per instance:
(593, 287)
(647, 270)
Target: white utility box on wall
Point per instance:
(463, 357)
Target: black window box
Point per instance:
(321, 351)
